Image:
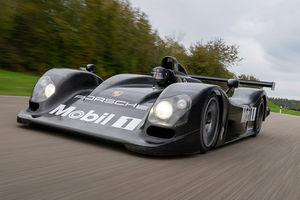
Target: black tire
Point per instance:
(259, 117)
(209, 123)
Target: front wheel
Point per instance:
(209, 124)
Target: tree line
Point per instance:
(36, 35)
(286, 103)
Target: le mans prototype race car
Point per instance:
(167, 113)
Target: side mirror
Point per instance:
(232, 83)
(90, 67)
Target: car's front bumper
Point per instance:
(133, 141)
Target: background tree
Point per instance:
(286, 103)
(36, 35)
(212, 58)
(248, 77)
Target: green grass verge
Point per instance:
(14, 83)
(274, 108)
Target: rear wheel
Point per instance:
(259, 118)
(209, 124)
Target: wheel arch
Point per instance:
(199, 93)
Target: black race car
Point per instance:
(167, 113)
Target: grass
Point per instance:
(14, 83)
(274, 108)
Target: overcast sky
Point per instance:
(267, 32)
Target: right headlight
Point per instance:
(170, 111)
(43, 89)
(163, 110)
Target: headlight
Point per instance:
(43, 89)
(163, 110)
(170, 111)
(49, 90)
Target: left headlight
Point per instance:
(43, 89)
(170, 111)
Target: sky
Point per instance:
(266, 31)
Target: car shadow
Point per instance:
(92, 140)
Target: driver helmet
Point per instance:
(161, 75)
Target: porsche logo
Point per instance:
(117, 93)
(112, 102)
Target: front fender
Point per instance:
(68, 82)
(199, 93)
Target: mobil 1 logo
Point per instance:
(123, 122)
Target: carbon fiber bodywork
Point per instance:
(117, 110)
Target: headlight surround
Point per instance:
(171, 111)
(43, 89)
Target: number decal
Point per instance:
(249, 114)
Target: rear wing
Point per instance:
(244, 82)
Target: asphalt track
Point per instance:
(37, 163)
